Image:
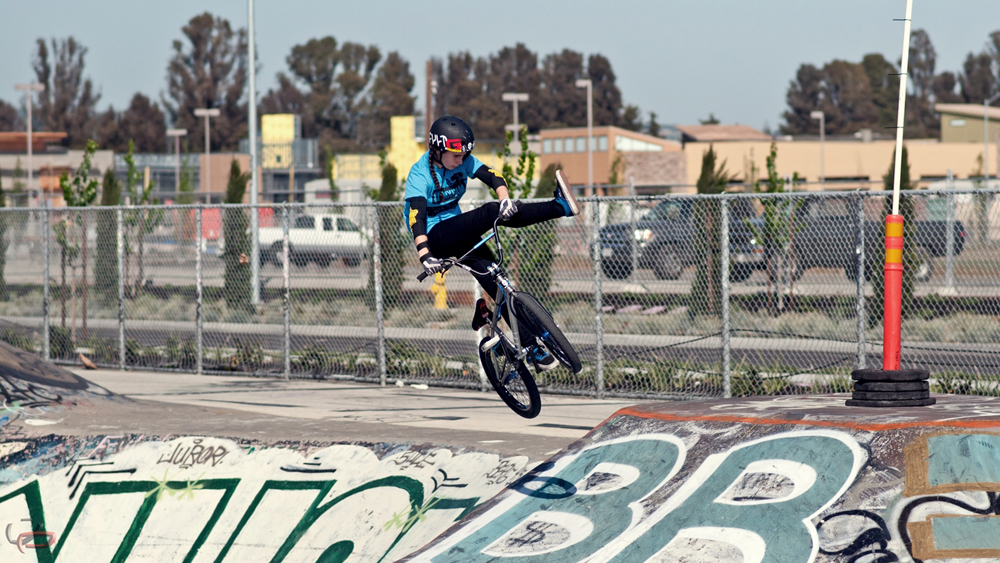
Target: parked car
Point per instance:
(827, 238)
(664, 242)
(316, 238)
(320, 238)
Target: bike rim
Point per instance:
(506, 369)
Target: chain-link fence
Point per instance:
(636, 283)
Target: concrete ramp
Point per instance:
(777, 480)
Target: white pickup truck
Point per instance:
(316, 238)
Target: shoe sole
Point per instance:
(566, 192)
(545, 367)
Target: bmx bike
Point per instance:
(502, 354)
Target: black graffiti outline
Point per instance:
(96, 472)
(992, 507)
(870, 536)
(444, 482)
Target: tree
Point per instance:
(81, 191)
(139, 222)
(10, 119)
(68, 101)
(884, 87)
(712, 120)
(209, 70)
(235, 229)
(977, 80)
(106, 266)
(776, 233)
(390, 95)
(706, 291)
(802, 97)
(654, 127)
(143, 123)
(911, 259)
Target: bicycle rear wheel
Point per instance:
(510, 378)
(532, 316)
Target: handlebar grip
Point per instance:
(422, 276)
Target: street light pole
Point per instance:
(514, 97)
(254, 212)
(29, 88)
(986, 137)
(177, 134)
(822, 140)
(589, 85)
(207, 113)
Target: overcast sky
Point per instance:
(681, 59)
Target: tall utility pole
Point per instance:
(254, 213)
(30, 88)
(177, 134)
(986, 137)
(515, 97)
(206, 182)
(429, 88)
(589, 85)
(822, 142)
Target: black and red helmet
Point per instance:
(451, 134)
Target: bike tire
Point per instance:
(534, 317)
(510, 378)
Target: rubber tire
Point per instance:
(531, 315)
(892, 375)
(925, 266)
(739, 272)
(891, 386)
(891, 404)
(277, 251)
(890, 395)
(667, 264)
(616, 269)
(488, 358)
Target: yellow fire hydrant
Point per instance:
(440, 292)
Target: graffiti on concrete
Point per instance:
(36, 537)
(213, 499)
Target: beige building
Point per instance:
(647, 159)
(963, 123)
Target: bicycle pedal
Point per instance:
(483, 316)
(486, 345)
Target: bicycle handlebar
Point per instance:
(449, 262)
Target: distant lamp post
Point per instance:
(515, 98)
(177, 134)
(589, 85)
(207, 113)
(986, 137)
(29, 88)
(822, 140)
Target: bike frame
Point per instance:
(505, 293)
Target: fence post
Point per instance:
(46, 342)
(631, 234)
(120, 246)
(859, 251)
(199, 289)
(598, 301)
(379, 311)
(949, 269)
(285, 292)
(727, 376)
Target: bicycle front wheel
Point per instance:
(510, 378)
(532, 316)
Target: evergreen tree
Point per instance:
(706, 291)
(235, 227)
(106, 267)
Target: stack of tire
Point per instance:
(890, 388)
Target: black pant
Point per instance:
(454, 237)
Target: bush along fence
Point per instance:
(683, 296)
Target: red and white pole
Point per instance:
(893, 291)
(894, 224)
